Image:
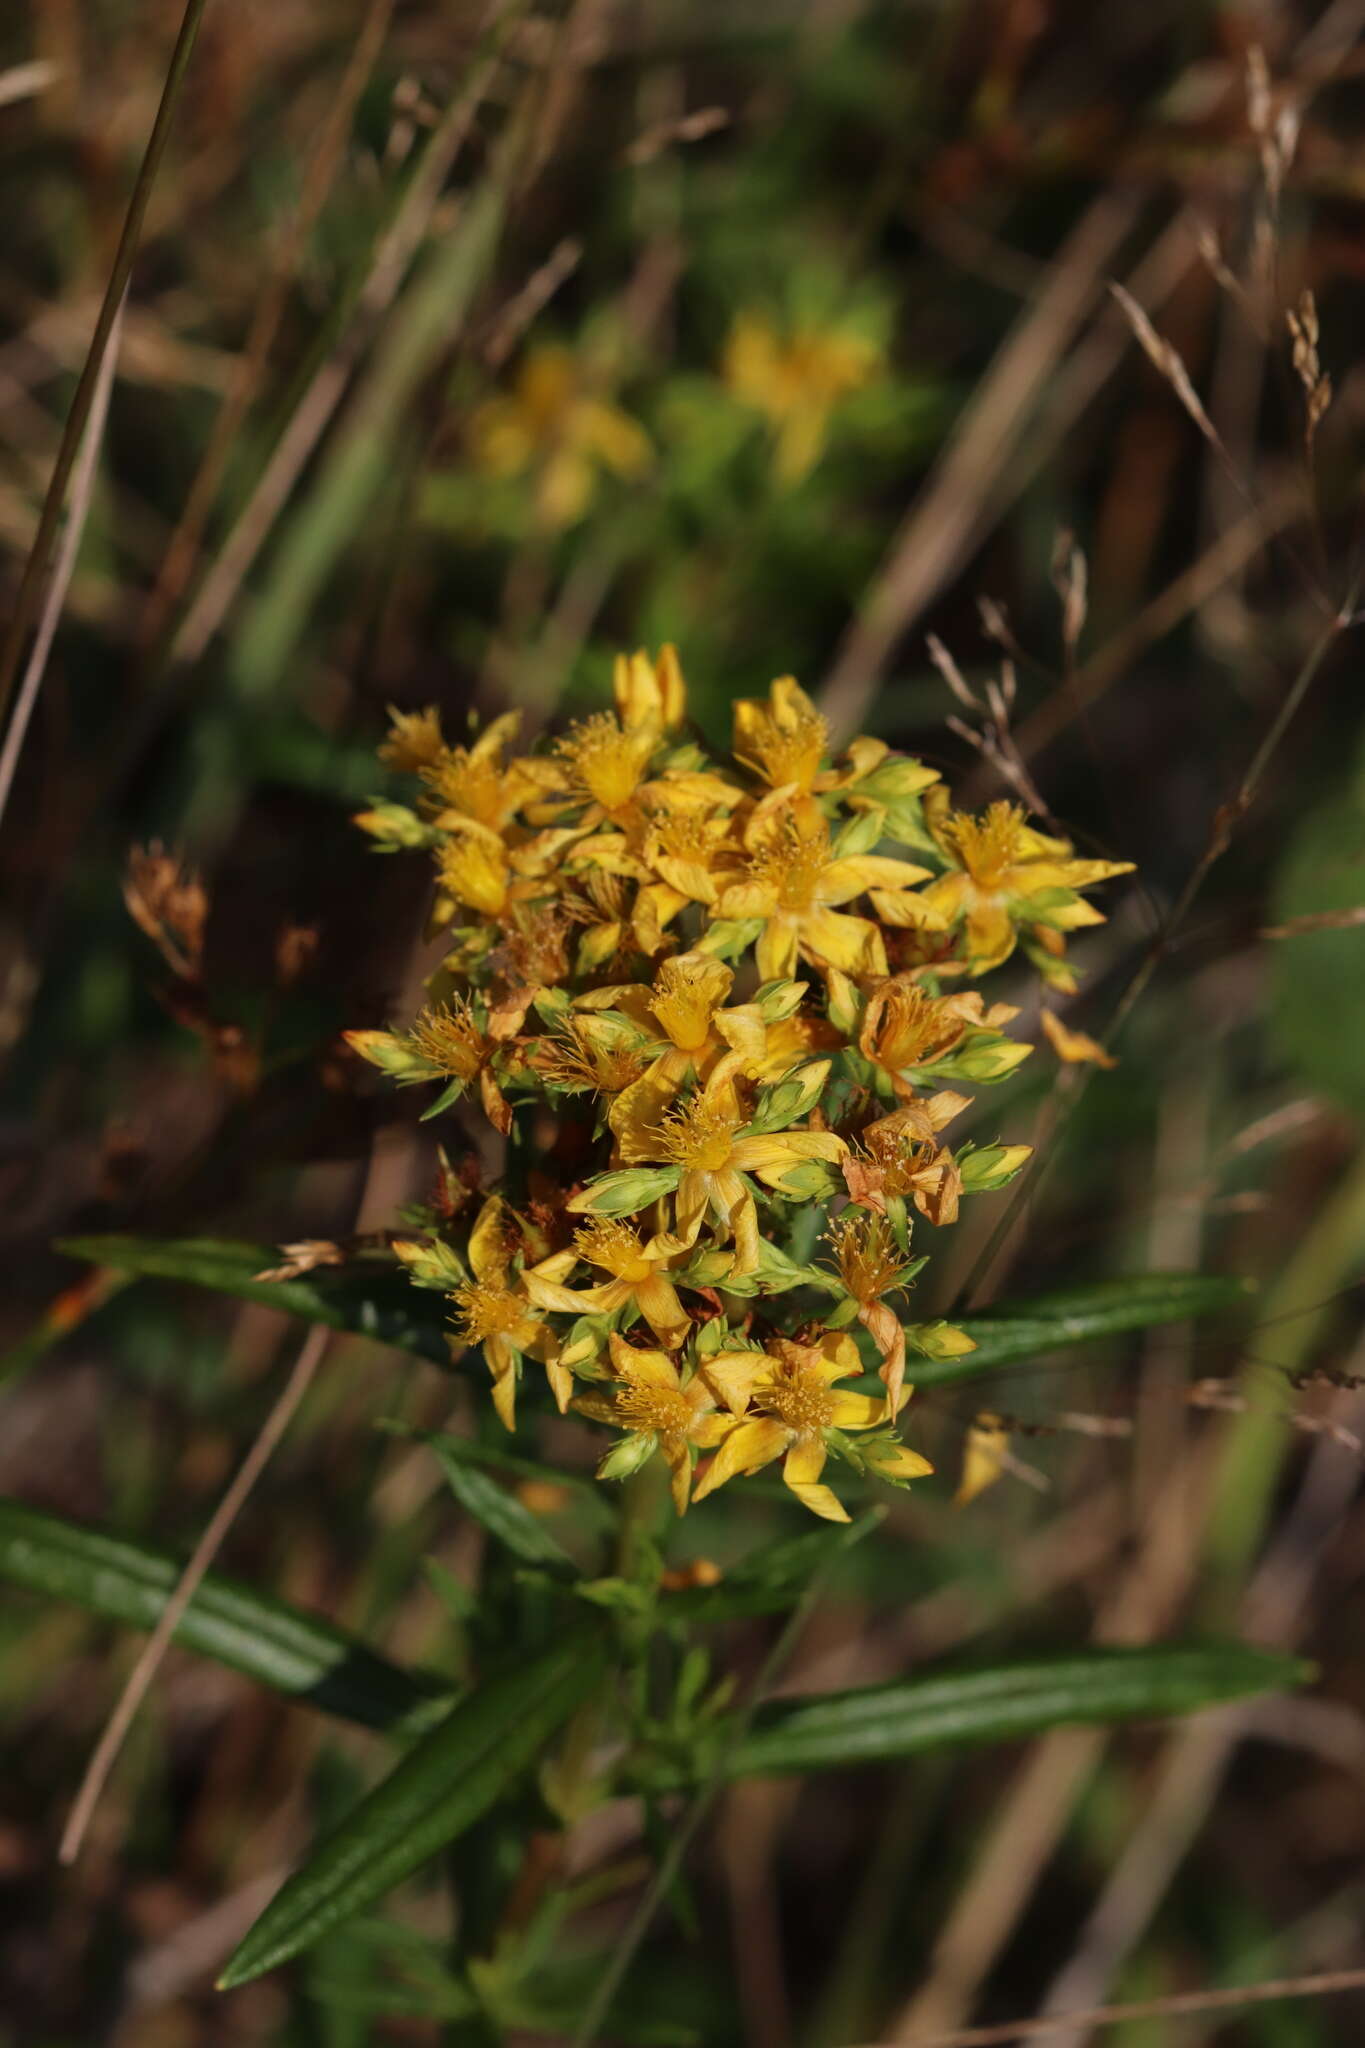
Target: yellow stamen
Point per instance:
(487, 1310)
(576, 1060)
(912, 1028)
(471, 784)
(699, 1135)
(605, 763)
(797, 1396)
(414, 739)
(449, 1037)
(866, 1254)
(786, 749)
(658, 1411)
(987, 846)
(607, 1242)
(792, 862)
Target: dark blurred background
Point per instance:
(465, 347)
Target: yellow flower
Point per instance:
(472, 869)
(553, 423)
(650, 693)
(660, 1411)
(796, 383)
(1004, 874)
(414, 739)
(784, 740)
(475, 782)
(495, 1311)
(904, 1028)
(870, 1265)
(792, 880)
(900, 1159)
(705, 1138)
(638, 1272)
(591, 1055)
(448, 1037)
(791, 1386)
(604, 763)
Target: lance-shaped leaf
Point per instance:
(439, 1789)
(879, 1723)
(279, 1646)
(1020, 1331)
(366, 1298)
(500, 1512)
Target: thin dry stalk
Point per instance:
(310, 417)
(82, 491)
(947, 515)
(183, 549)
(35, 568)
(1181, 2004)
(210, 1543)
(1228, 555)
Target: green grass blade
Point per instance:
(438, 1790)
(279, 1646)
(1017, 1331)
(368, 1298)
(877, 1724)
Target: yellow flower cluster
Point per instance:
(714, 1010)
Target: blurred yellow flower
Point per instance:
(552, 423)
(796, 381)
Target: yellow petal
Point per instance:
(651, 1368)
(982, 1458)
(856, 1411)
(745, 1449)
(1073, 1046)
(805, 1461)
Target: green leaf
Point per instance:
(1019, 1331)
(438, 1790)
(368, 1298)
(500, 1512)
(291, 1652)
(879, 1723)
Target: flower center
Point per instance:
(607, 1242)
(604, 762)
(792, 863)
(487, 1310)
(575, 1060)
(987, 846)
(700, 1135)
(788, 748)
(866, 1254)
(660, 1411)
(798, 1398)
(472, 787)
(687, 998)
(449, 1038)
(913, 1028)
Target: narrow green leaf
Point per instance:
(438, 1790)
(1027, 1330)
(500, 1512)
(368, 1298)
(291, 1652)
(882, 1722)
